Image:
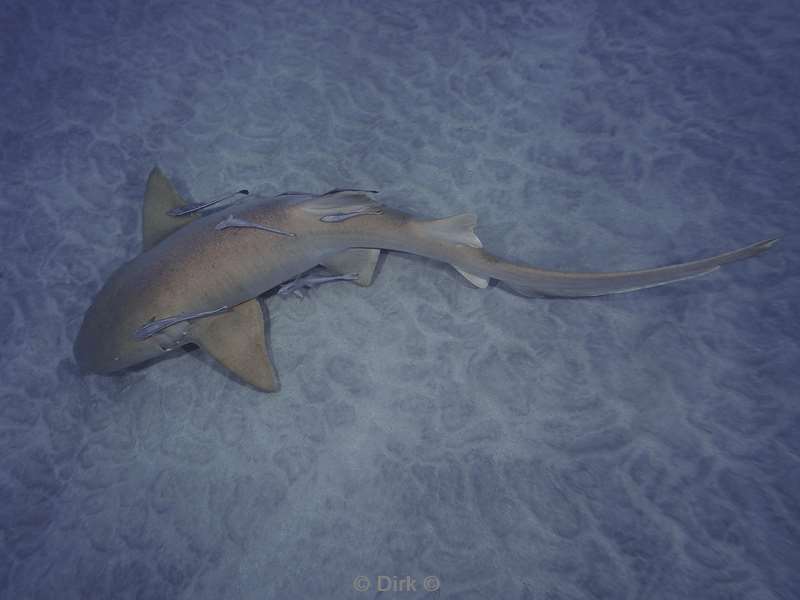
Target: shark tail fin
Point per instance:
(532, 282)
(159, 198)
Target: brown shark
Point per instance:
(199, 277)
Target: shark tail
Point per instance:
(532, 282)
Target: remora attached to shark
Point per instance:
(199, 277)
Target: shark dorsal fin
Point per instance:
(160, 196)
(356, 260)
(459, 229)
(238, 340)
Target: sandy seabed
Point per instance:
(637, 446)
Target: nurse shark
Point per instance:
(199, 276)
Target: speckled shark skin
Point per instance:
(198, 281)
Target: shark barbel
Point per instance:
(199, 276)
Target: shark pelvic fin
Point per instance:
(159, 198)
(459, 229)
(238, 340)
(356, 260)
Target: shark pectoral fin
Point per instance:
(160, 197)
(356, 260)
(459, 229)
(237, 339)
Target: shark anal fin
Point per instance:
(159, 198)
(356, 260)
(238, 341)
(476, 280)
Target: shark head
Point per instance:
(103, 344)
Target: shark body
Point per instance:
(203, 280)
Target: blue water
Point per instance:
(641, 446)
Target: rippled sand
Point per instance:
(638, 446)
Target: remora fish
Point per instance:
(297, 285)
(189, 268)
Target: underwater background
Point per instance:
(486, 445)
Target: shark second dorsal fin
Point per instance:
(356, 260)
(238, 340)
(459, 229)
(159, 198)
